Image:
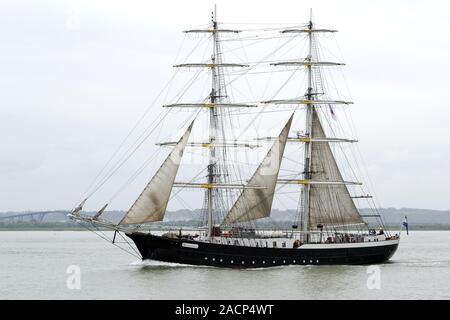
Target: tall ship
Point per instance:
(234, 230)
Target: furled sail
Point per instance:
(255, 204)
(330, 204)
(152, 202)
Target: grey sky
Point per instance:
(76, 75)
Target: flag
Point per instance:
(405, 224)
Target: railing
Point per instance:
(278, 239)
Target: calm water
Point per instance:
(33, 265)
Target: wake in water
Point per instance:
(155, 264)
(161, 264)
(421, 263)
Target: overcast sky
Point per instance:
(76, 75)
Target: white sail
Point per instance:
(330, 204)
(255, 204)
(152, 202)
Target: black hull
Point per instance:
(230, 256)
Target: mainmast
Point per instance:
(308, 126)
(325, 199)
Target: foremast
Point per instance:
(215, 97)
(151, 204)
(216, 168)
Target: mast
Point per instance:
(307, 154)
(215, 104)
(212, 122)
(325, 199)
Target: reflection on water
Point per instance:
(33, 264)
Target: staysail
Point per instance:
(152, 202)
(330, 204)
(255, 204)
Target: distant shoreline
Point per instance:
(418, 219)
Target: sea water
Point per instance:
(81, 265)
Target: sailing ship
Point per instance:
(329, 229)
